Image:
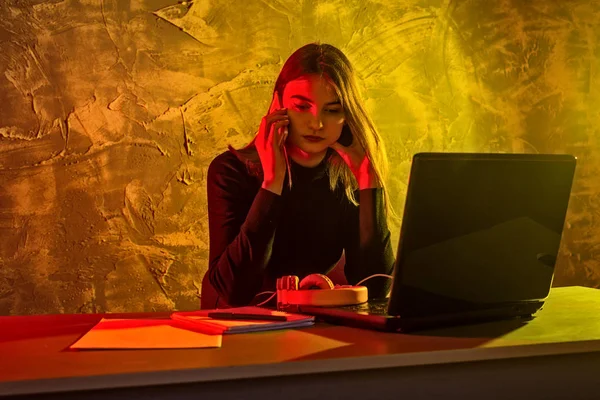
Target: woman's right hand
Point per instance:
(270, 145)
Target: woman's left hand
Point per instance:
(360, 165)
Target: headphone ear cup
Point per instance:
(319, 281)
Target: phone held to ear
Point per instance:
(346, 137)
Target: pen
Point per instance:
(258, 317)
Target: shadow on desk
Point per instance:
(355, 342)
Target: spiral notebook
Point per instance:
(240, 320)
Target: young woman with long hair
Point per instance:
(310, 187)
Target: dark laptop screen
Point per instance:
(479, 229)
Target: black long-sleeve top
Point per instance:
(257, 236)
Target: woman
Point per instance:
(310, 186)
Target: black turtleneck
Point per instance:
(257, 236)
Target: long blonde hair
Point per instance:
(328, 61)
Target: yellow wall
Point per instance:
(110, 112)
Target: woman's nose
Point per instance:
(315, 122)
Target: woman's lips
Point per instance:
(312, 138)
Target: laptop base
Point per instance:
(349, 316)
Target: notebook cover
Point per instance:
(200, 321)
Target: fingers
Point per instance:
(271, 127)
(266, 125)
(270, 120)
(279, 132)
(283, 137)
(275, 104)
(278, 115)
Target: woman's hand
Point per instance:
(270, 145)
(360, 165)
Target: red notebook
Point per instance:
(240, 320)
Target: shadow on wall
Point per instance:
(110, 112)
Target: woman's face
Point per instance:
(315, 113)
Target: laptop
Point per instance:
(479, 242)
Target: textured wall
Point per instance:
(111, 110)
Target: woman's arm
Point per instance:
(241, 229)
(367, 243)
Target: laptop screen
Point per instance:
(479, 230)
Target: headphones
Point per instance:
(292, 293)
(315, 281)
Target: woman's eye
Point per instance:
(333, 110)
(302, 106)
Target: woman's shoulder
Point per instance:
(226, 163)
(227, 168)
(226, 158)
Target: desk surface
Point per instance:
(35, 357)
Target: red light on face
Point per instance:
(316, 116)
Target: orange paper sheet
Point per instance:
(143, 334)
